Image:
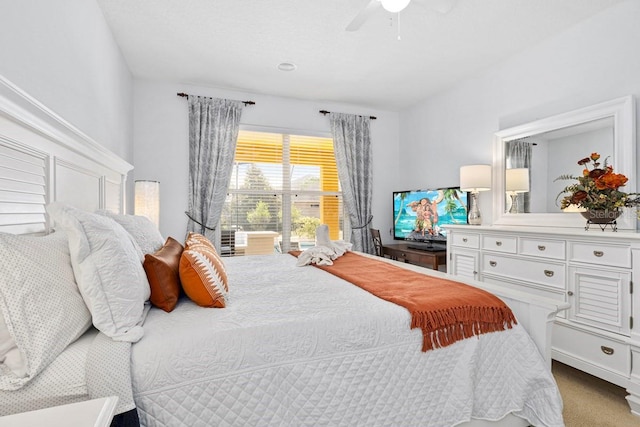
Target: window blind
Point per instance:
(282, 187)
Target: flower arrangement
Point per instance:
(598, 188)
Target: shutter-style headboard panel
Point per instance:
(23, 188)
(43, 158)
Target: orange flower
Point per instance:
(595, 156)
(611, 180)
(585, 172)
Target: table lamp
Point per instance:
(147, 200)
(475, 178)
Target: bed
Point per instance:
(294, 346)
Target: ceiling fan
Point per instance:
(394, 6)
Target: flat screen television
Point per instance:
(418, 215)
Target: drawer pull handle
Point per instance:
(570, 293)
(493, 263)
(498, 243)
(464, 239)
(606, 350)
(548, 273)
(598, 253)
(541, 248)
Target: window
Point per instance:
(282, 187)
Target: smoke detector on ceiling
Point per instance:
(287, 66)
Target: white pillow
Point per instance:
(40, 305)
(108, 270)
(10, 355)
(143, 231)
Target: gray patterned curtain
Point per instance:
(518, 155)
(213, 131)
(352, 146)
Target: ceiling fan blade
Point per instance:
(442, 6)
(363, 15)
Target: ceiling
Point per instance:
(238, 44)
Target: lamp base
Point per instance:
(514, 203)
(474, 217)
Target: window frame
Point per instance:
(286, 193)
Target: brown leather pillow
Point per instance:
(163, 273)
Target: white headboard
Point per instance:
(43, 159)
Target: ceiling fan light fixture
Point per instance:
(394, 6)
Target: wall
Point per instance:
(592, 62)
(568, 147)
(161, 147)
(63, 54)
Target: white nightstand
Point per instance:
(90, 413)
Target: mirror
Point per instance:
(528, 158)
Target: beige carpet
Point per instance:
(590, 401)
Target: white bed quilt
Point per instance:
(297, 346)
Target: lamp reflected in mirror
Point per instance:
(516, 182)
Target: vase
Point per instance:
(602, 217)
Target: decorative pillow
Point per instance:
(108, 271)
(195, 238)
(203, 276)
(143, 231)
(163, 273)
(39, 304)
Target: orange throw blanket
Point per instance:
(446, 311)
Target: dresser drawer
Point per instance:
(466, 240)
(544, 273)
(506, 244)
(554, 249)
(553, 294)
(598, 253)
(603, 352)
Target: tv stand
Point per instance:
(427, 248)
(425, 256)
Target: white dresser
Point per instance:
(591, 270)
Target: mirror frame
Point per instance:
(624, 158)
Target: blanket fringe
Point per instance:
(441, 328)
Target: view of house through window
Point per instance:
(282, 187)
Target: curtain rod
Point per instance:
(186, 95)
(325, 112)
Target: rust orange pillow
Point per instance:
(203, 276)
(197, 238)
(163, 273)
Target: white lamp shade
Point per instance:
(394, 6)
(147, 200)
(475, 178)
(517, 180)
